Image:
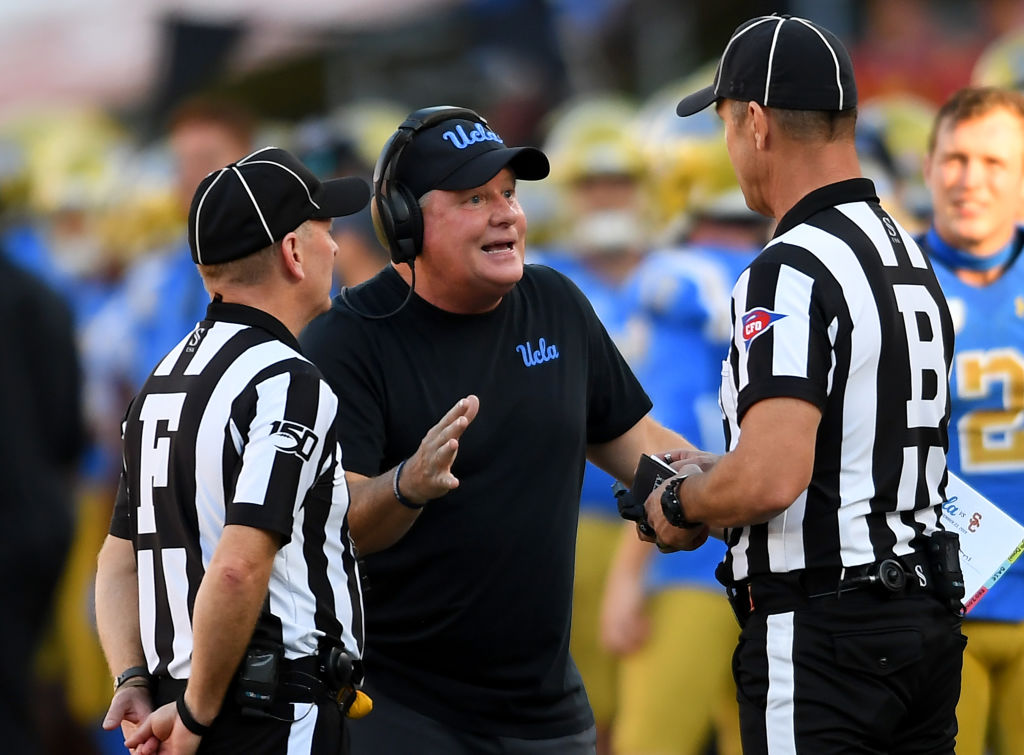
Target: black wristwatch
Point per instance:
(131, 673)
(672, 507)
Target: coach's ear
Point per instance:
(291, 256)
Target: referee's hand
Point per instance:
(129, 707)
(667, 537)
(163, 731)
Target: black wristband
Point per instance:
(672, 505)
(189, 720)
(131, 673)
(398, 493)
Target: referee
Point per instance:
(836, 408)
(227, 595)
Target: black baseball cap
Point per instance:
(784, 62)
(250, 204)
(463, 154)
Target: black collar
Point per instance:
(841, 192)
(223, 311)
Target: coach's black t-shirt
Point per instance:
(467, 616)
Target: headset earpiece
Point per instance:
(397, 217)
(402, 221)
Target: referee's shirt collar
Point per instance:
(842, 192)
(222, 311)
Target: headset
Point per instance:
(399, 220)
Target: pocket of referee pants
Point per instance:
(880, 652)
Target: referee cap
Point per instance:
(784, 62)
(250, 204)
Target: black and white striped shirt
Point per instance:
(235, 426)
(843, 310)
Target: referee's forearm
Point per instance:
(227, 606)
(117, 605)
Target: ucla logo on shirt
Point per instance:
(478, 133)
(543, 353)
(757, 322)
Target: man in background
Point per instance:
(41, 412)
(975, 172)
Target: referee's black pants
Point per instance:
(861, 672)
(303, 728)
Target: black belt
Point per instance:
(775, 593)
(299, 680)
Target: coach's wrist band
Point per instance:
(189, 720)
(398, 493)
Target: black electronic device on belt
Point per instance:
(257, 679)
(944, 560)
(887, 575)
(338, 668)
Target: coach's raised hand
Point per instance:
(383, 508)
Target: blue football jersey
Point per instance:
(986, 429)
(680, 300)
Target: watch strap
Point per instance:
(131, 673)
(672, 505)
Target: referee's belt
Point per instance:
(774, 593)
(299, 680)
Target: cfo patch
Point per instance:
(757, 322)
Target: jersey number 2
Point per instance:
(991, 438)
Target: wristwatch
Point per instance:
(131, 673)
(672, 507)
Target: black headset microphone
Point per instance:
(398, 219)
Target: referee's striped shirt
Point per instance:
(235, 426)
(843, 310)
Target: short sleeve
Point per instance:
(122, 519)
(782, 331)
(289, 442)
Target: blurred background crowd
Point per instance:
(111, 112)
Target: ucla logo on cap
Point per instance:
(479, 133)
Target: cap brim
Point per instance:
(528, 163)
(696, 102)
(341, 196)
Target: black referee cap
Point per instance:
(248, 205)
(784, 62)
